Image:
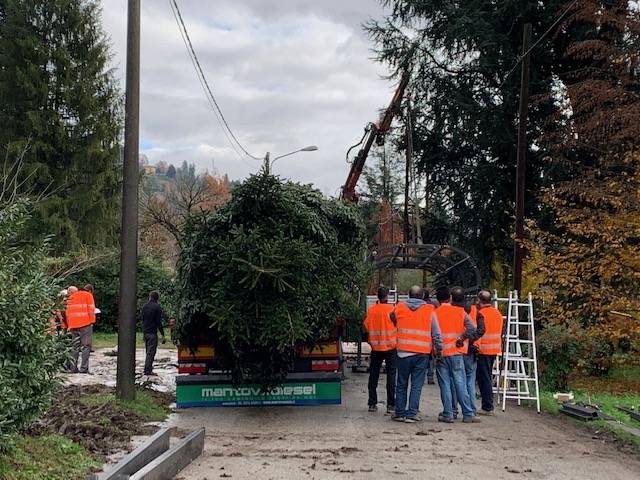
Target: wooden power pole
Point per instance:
(125, 379)
(407, 178)
(518, 249)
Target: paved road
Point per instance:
(347, 442)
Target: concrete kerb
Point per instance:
(149, 450)
(170, 463)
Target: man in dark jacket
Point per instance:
(151, 324)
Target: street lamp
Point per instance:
(269, 163)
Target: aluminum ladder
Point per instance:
(519, 370)
(499, 302)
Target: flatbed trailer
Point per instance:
(315, 379)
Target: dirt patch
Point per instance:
(102, 429)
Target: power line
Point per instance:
(558, 20)
(211, 104)
(203, 79)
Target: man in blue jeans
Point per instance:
(431, 361)
(417, 334)
(470, 357)
(456, 328)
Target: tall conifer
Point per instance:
(60, 105)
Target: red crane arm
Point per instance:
(375, 132)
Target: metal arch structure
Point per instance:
(449, 265)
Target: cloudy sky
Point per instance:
(286, 73)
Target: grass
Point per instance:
(145, 405)
(618, 388)
(46, 457)
(110, 340)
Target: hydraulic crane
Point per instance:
(373, 133)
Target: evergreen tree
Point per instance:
(61, 103)
(381, 196)
(466, 107)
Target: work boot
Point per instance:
(471, 420)
(397, 418)
(390, 410)
(443, 419)
(487, 413)
(373, 408)
(415, 419)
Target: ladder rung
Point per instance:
(529, 324)
(519, 359)
(515, 339)
(520, 378)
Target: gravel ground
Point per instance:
(347, 442)
(102, 365)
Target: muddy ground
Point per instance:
(104, 429)
(347, 442)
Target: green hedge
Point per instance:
(30, 356)
(105, 277)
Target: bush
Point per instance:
(278, 266)
(559, 349)
(30, 356)
(105, 277)
(563, 349)
(596, 357)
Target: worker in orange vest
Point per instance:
(456, 327)
(80, 315)
(470, 357)
(381, 335)
(418, 334)
(489, 346)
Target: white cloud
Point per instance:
(286, 73)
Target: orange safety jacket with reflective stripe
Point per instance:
(380, 329)
(473, 315)
(81, 310)
(491, 341)
(414, 328)
(451, 321)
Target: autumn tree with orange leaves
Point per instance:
(587, 257)
(164, 213)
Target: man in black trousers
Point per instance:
(151, 324)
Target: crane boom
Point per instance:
(375, 132)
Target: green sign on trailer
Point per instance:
(296, 391)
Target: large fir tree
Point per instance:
(60, 111)
(461, 54)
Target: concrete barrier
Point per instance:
(170, 463)
(148, 451)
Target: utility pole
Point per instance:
(407, 178)
(125, 379)
(518, 248)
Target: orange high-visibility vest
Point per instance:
(380, 329)
(81, 310)
(491, 341)
(414, 328)
(473, 315)
(451, 321)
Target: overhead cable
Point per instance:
(211, 104)
(233, 139)
(521, 57)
